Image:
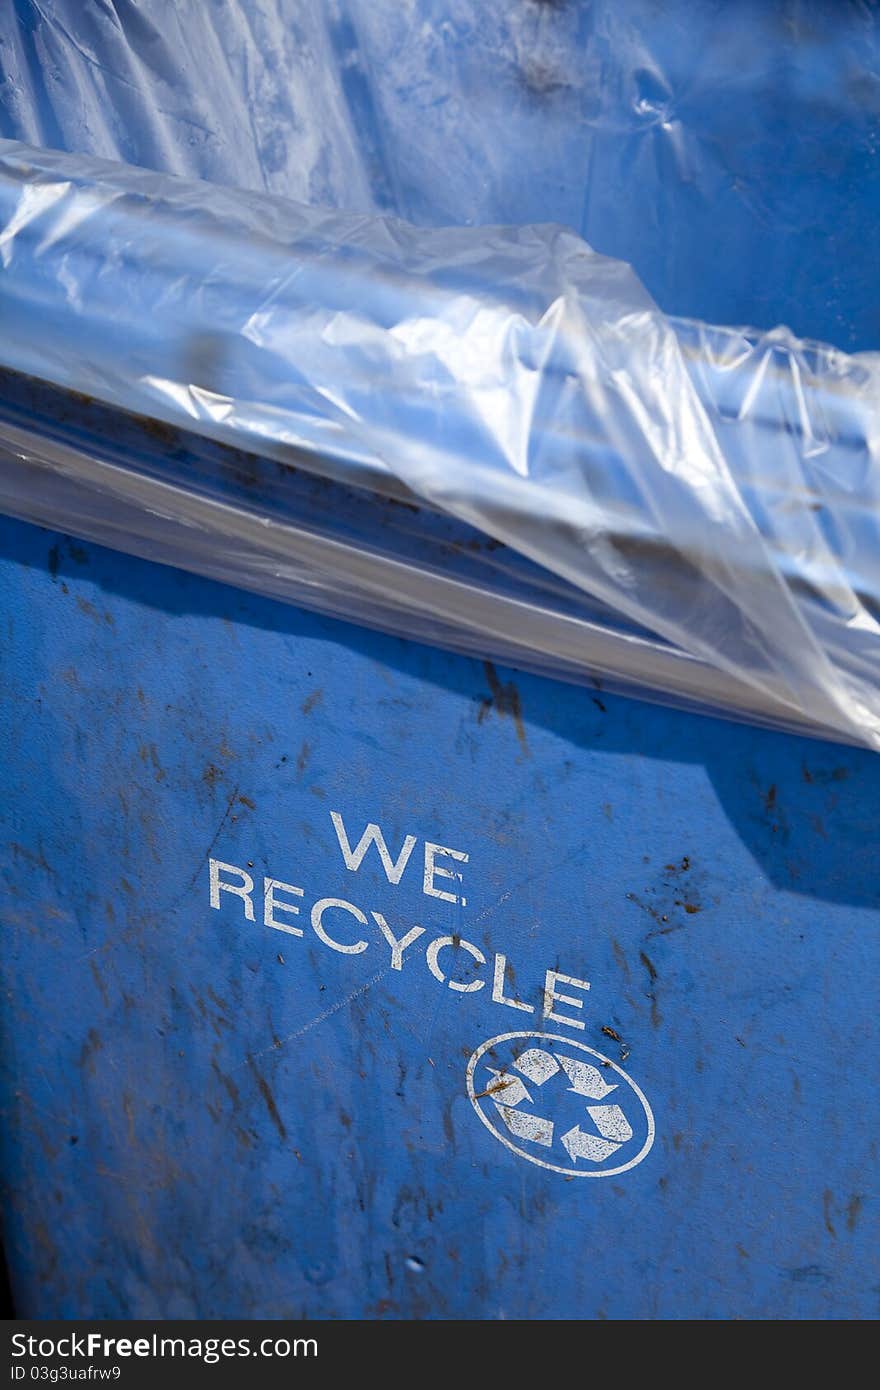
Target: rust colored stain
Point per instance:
(682, 868)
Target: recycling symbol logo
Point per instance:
(560, 1104)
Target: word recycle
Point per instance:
(342, 926)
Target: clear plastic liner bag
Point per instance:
(363, 367)
(684, 510)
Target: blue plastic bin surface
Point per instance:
(205, 1115)
(346, 977)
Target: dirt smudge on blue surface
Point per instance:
(505, 701)
(656, 1016)
(269, 1099)
(99, 983)
(90, 1048)
(854, 1210)
(808, 1274)
(227, 1083)
(620, 957)
(92, 612)
(828, 1211)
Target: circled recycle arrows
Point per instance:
(537, 1066)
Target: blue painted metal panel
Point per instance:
(205, 1115)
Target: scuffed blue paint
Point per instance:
(202, 1116)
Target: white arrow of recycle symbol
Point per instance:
(537, 1066)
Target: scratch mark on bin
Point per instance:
(546, 871)
(206, 856)
(322, 1017)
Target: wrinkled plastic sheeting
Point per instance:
(728, 152)
(713, 494)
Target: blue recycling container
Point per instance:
(439, 673)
